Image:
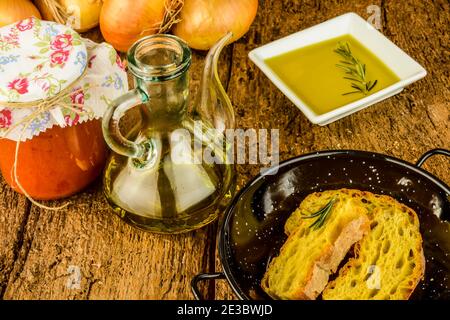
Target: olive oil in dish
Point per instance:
(332, 73)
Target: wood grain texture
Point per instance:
(114, 260)
(41, 251)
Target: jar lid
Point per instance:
(38, 59)
(82, 78)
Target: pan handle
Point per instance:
(431, 153)
(202, 277)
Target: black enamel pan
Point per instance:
(252, 229)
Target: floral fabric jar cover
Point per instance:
(39, 59)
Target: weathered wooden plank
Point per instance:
(14, 213)
(404, 126)
(110, 259)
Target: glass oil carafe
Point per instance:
(158, 178)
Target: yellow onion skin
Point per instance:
(14, 10)
(43, 9)
(123, 22)
(86, 12)
(83, 14)
(204, 22)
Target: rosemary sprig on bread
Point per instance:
(321, 215)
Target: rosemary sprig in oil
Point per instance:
(355, 70)
(321, 215)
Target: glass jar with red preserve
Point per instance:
(54, 88)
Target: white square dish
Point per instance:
(406, 68)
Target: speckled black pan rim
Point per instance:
(223, 241)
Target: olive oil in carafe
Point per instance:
(171, 196)
(157, 178)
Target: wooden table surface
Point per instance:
(41, 251)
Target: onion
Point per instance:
(123, 22)
(204, 22)
(80, 15)
(15, 10)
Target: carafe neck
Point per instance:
(160, 65)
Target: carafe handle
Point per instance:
(111, 130)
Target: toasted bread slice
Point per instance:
(310, 255)
(316, 200)
(389, 260)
